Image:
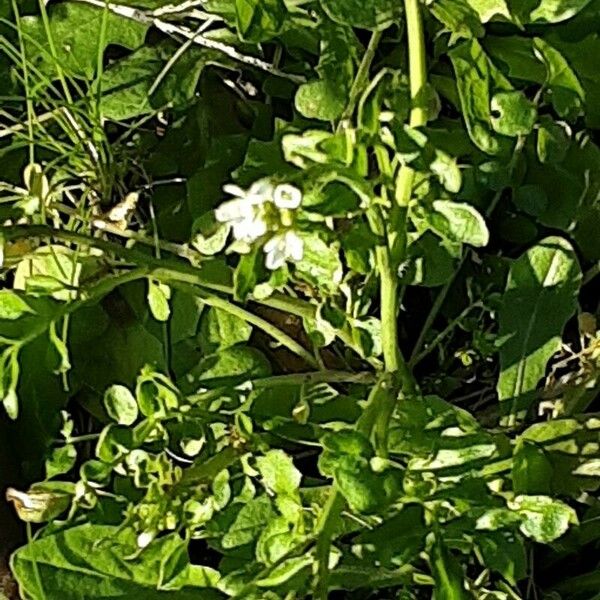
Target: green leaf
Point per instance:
(541, 295)
(477, 79)
(158, 300)
(552, 141)
(544, 519)
(460, 223)
(249, 272)
(532, 471)
(125, 85)
(568, 95)
(278, 472)
(91, 558)
(431, 261)
(320, 100)
(320, 265)
(398, 540)
(228, 367)
(285, 571)
(49, 270)
(531, 199)
(377, 14)
(259, 20)
(504, 553)
(249, 522)
(447, 573)
(43, 502)
(121, 405)
(155, 393)
(74, 28)
(554, 11)
(12, 306)
(460, 19)
(61, 460)
(513, 114)
(220, 330)
(326, 98)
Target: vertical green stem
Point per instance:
(362, 76)
(416, 62)
(397, 374)
(418, 117)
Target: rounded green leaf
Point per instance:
(158, 300)
(543, 518)
(513, 114)
(12, 306)
(120, 405)
(460, 222)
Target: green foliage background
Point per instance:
(391, 389)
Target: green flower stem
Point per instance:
(169, 270)
(393, 359)
(374, 420)
(89, 295)
(175, 270)
(237, 311)
(362, 77)
(382, 399)
(418, 118)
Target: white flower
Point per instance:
(243, 213)
(283, 247)
(287, 196)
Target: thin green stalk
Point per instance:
(237, 311)
(166, 268)
(325, 530)
(418, 117)
(52, 47)
(441, 297)
(417, 358)
(36, 571)
(25, 68)
(383, 396)
(208, 470)
(362, 77)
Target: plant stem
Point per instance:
(417, 358)
(441, 297)
(362, 76)
(384, 394)
(237, 311)
(163, 268)
(418, 117)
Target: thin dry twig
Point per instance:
(201, 40)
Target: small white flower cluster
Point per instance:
(265, 209)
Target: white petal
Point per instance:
(294, 246)
(287, 196)
(249, 230)
(234, 190)
(233, 210)
(261, 191)
(277, 241)
(275, 259)
(275, 251)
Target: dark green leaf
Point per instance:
(377, 14)
(540, 297)
(259, 20)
